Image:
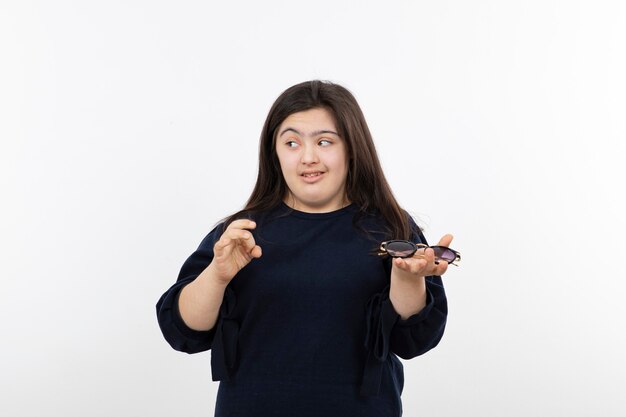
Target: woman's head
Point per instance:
(313, 161)
(365, 183)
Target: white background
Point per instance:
(129, 128)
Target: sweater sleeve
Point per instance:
(387, 333)
(176, 332)
(422, 331)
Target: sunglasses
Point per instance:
(406, 249)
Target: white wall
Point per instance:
(128, 128)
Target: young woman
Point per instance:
(302, 315)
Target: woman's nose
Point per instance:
(309, 155)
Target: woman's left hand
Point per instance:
(422, 263)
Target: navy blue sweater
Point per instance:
(308, 329)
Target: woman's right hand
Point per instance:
(235, 249)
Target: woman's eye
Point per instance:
(324, 142)
(291, 144)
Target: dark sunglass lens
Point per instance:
(444, 254)
(400, 249)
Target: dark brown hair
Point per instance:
(366, 185)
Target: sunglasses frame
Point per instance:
(416, 247)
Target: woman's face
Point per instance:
(313, 161)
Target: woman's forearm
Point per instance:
(200, 300)
(408, 296)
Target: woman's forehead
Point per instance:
(314, 119)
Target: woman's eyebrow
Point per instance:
(316, 133)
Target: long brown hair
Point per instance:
(366, 185)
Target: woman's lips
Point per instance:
(311, 177)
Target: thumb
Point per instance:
(445, 240)
(256, 252)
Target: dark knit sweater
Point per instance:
(308, 329)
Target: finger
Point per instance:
(232, 237)
(429, 264)
(420, 267)
(238, 230)
(237, 234)
(445, 240)
(441, 268)
(399, 263)
(246, 239)
(436, 266)
(429, 256)
(413, 265)
(402, 264)
(423, 263)
(256, 252)
(223, 247)
(242, 224)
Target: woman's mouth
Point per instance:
(311, 177)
